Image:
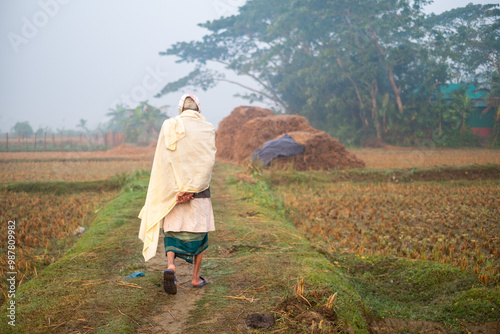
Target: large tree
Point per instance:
(353, 67)
(468, 38)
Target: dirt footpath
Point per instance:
(171, 314)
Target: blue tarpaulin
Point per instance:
(283, 146)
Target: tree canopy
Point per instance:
(23, 128)
(140, 125)
(355, 68)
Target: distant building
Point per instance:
(481, 125)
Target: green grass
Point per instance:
(444, 173)
(423, 290)
(60, 187)
(67, 159)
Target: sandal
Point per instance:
(169, 280)
(201, 284)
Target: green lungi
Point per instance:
(185, 244)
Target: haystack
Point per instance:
(320, 152)
(231, 125)
(248, 128)
(254, 133)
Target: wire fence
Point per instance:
(60, 142)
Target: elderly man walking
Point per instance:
(178, 197)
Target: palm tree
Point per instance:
(119, 117)
(83, 124)
(492, 98)
(462, 105)
(141, 124)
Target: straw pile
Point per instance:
(231, 125)
(320, 152)
(260, 130)
(248, 128)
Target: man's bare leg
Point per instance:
(171, 260)
(196, 270)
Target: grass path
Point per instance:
(170, 311)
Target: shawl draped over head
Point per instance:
(183, 162)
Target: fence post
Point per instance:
(7, 135)
(19, 142)
(45, 141)
(34, 144)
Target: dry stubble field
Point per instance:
(45, 221)
(447, 220)
(411, 157)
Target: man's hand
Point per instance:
(184, 197)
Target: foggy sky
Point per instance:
(66, 60)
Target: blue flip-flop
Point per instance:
(169, 282)
(201, 284)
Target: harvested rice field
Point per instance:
(448, 221)
(74, 166)
(44, 226)
(410, 157)
(67, 170)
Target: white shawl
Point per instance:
(183, 162)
